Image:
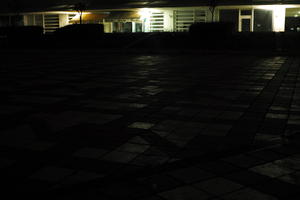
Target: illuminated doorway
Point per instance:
(245, 21)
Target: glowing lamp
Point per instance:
(145, 13)
(278, 15)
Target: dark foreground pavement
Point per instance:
(122, 126)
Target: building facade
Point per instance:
(166, 16)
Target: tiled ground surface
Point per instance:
(151, 127)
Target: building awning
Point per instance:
(89, 17)
(123, 16)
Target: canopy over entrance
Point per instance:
(123, 16)
(89, 17)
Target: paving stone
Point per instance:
(39, 145)
(87, 152)
(293, 122)
(170, 110)
(292, 178)
(276, 116)
(218, 167)
(36, 99)
(230, 115)
(271, 170)
(217, 130)
(10, 110)
(247, 178)
(291, 162)
(120, 156)
(30, 187)
(141, 125)
(278, 188)
(159, 182)
(17, 137)
(208, 114)
(167, 125)
(160, 133)
(187, 113)
(248, 194)
(138, 140)
(149, 160)
(72, 118)
(137, 105)
(179, 142)
(52, 174)
(243, 161)
(267, 138)
(266, 155)
(134, 148)
(152, 198)
(191, 174)
(183, 134)
(81, 177)
(185, 192)
(126, 190)
(158, 151)
(278, 108)
(4, 163)
(218, 186)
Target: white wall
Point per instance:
(107, 27)
(168, 20)
(63, 20)
(279, 19)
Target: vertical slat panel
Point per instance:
(185, 18)
(157, 22)
(51, 23)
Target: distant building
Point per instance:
(160, 15)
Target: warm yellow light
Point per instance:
(77, 16)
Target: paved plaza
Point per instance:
(179, 126)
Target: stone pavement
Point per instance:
(152, 127)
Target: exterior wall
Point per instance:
(170, 17)
(168, 20)
(107, 27)
(63, 20)
(46, 20)
(277, 14)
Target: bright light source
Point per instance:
(278, 15)
(77, 16)
(145, 16)
(279, 18)
(145, 13)
(295, 15)
(272, 7)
